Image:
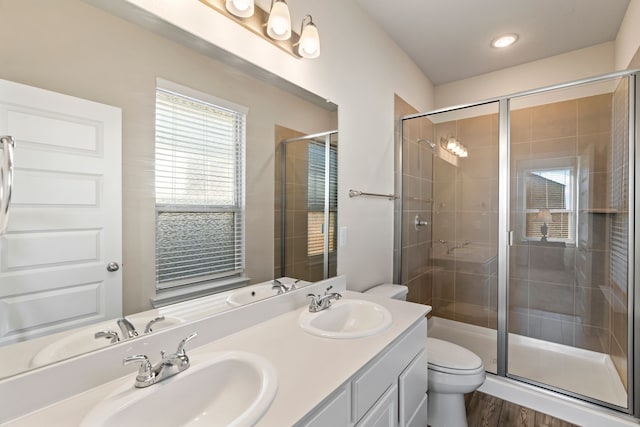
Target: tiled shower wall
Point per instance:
(417, 179)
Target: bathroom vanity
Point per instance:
(378, 380)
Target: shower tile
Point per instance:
(426, 161)
(519, 261)
(595, 149)
(519, 322)
(473, 226)
(549, 329)
(591, 307)
(591, 338)
(410, 235)
(443, 171)
(482, 162)
(555, 120)
(444, 226)
(476, 131)
(444, 196)
(594, 114)
(443, 308)
(412, 161)
(474, 194)
(411, 192)
(520, 125)
(550, 299)
(619, 357)
(519, 296)
(443, 285)
(561, 147)
(472, 289)
(420, 290)
(553, 264)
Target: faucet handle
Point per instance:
(145, 374)
(147, 328)
(112, 335)
(184, 341)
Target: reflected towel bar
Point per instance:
(356, 193)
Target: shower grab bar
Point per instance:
(6, 180)
(356, 193)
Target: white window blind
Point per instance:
(550, 189)
(199, 190)
(315, 197)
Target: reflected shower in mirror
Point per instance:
(106, 61)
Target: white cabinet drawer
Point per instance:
(385, 412)
(412, 387)
(369, 385)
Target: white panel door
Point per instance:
(65, 223)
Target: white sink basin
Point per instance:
(346, 318)
(219, 389)
(251, 294)
(83, 340)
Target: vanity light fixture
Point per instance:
(309, 44)
(240, 8)
(454, 146)
(279, 23)
(504, 40)
(273, 25)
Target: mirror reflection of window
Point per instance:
(199, 189)
(315, 198)
(550, 204)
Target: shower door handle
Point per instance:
(510, 237)
(420, 223)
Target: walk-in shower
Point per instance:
(527, 258)
(306, 210)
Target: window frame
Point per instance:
(524, 168)
(178, 289)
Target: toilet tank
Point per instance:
(389, 291)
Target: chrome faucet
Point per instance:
(319, 303)
(281, 287)
(127, 328)
(109, 334)
(148, 328)
(453, 248)
(167, 367)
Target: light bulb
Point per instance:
(240, 8)
(309, 46)
(279, 24)
(504, 41)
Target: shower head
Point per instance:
(431, 145)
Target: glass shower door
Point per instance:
(306, 206)
(567, 285)
(450, 224)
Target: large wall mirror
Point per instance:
(109, 75)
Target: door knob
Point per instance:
(113, 266)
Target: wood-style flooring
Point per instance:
(484, 410)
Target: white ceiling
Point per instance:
(449, 39)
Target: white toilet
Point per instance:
(453, 371)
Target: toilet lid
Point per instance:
(449, 356)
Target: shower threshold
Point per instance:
(584, 372)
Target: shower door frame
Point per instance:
(283, 195)
(505, 232)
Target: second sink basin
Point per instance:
(346, 318)
(219, 389)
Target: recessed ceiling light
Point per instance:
(504, 40)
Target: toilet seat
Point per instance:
(450, 358)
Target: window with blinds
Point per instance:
(315, 198)
(549, 200)
(199, 188)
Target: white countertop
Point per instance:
(309, 368)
